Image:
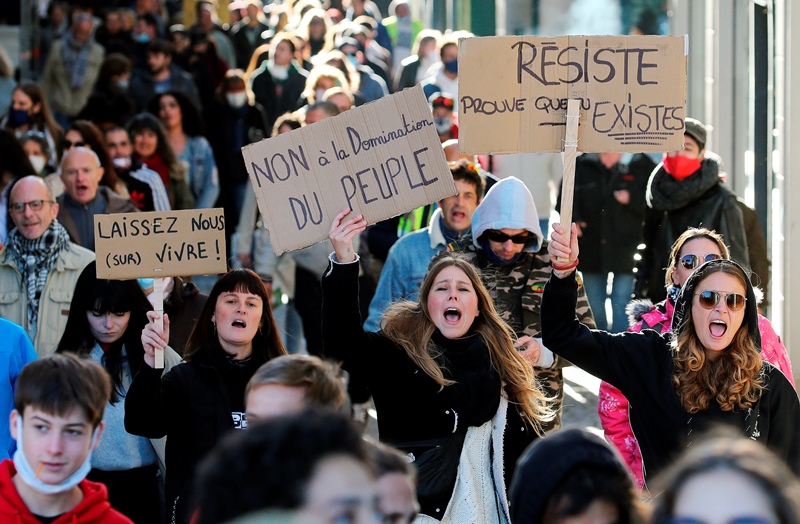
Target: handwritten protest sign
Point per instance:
(513, 93)
(380, 160)
(160, 244)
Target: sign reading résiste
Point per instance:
(380, 160)
(513, 93)
(160, 244)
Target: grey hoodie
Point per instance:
(508, 204)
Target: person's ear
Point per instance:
(702, 155)
(100, 427)
(13, 423)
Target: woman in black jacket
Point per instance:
(708, 371)
(200, 400)
(449, 385)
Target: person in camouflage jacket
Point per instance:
(515, 273)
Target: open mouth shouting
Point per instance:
(717, 328)
(452, 315)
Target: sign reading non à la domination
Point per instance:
(513, 93)
(160, 244)
(379, 160)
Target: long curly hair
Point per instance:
(733, 378)
(408, 324)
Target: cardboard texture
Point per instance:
(513, 93)
(380, 160)
(160, 244)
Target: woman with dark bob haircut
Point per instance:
(727, 479)
(707, 371)
(105, 323)
(200, 400)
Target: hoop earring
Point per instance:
(215, 328)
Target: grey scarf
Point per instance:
(35, 258)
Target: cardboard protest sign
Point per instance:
(380, 160)
(513, 93)
(160, 244)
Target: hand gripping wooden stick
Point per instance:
(158, 306)
(568, 179)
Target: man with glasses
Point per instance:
(510, 250)
(39, 266)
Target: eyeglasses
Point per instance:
(35, 205)
(709, 300)
(500, 237)
(735, 520)
(692, 261)
(66, 144)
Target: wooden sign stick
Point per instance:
(568, 179)
(158, 306)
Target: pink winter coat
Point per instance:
(612, 406)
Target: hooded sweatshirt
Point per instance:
(94, 508)
(508, 204)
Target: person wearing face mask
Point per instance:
(402, 30)
(443, 76)
(57, 423)
(109, 104)
(29, 111)
(238, 122)
(280, 80)
(442, 105)
(38, 150)
(104, 325)
(684, 191)
(371, 85)
(144, 185)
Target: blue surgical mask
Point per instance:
(146, 283)
(142, 38)
(353, 60)
(451, 66)
(18, 116)
(28, 474)
(122, 85)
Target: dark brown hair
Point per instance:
(60, 383)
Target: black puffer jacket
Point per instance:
(701, 200)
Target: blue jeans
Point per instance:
(596, 285)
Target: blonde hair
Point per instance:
(733, 379)
(409, 325)
(322, 71)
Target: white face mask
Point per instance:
(28, 475)
(318, 94)
(432, 56)
(121, 163)
(237, 100)
(38, 163)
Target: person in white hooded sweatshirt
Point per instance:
(511, 252)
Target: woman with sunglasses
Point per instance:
(693, 247)
(708, 371)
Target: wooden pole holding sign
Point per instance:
(568, 179)
(158, 306)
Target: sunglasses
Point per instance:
(709, 300)
(35, 205)
(66, 144)
(500, 237)
(692, 261)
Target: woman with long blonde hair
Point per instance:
(448, 383)
(708, 371)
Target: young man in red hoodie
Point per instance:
(57, 421)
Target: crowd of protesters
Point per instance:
(453, 321)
